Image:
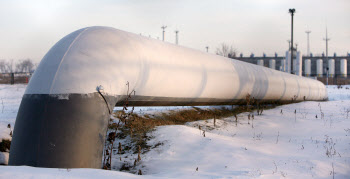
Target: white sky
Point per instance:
(28, 29)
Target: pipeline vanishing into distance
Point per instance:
(63, 116)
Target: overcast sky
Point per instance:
(29, 28)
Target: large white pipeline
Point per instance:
(109, 57)
(63, 117)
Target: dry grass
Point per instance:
(134, 128)
(138, 126)
(5, 145)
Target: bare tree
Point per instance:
(9, 66)
(25, 66)
(226, 51)
(19, 67)
(2, 66)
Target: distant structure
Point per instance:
(288, 44)
(308, 42)
(292, 11)
(177, 38)
(309, 66)
(294, 65)
(326, 39)
(163, 27)
(207, 48)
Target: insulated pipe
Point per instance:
(63, 116)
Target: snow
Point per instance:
(25, 172)
(335, 94)
(10, 99)
(291, 144)
(287, 144)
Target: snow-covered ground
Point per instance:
(10, 99)
(302, 140)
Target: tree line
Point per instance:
(22, 66)
(226, 51)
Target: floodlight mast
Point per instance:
(291, 11)
(327, 39)
(163, 27)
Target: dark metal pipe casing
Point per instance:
(64, 131)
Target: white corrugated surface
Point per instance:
(319, 67)
(343, 67)
(288, 62)
(272, 64)
(307, 67)
(298, 64)
(260, 62)
(283, 65)
(109, 57)
(331, 67)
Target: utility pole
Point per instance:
(291, 11)
(163, 27)
(177, 40)
(288, 44)
(207, 48)
(308, 42)
(327, 39)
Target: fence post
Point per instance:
(12, 78)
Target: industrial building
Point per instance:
(310, 66)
